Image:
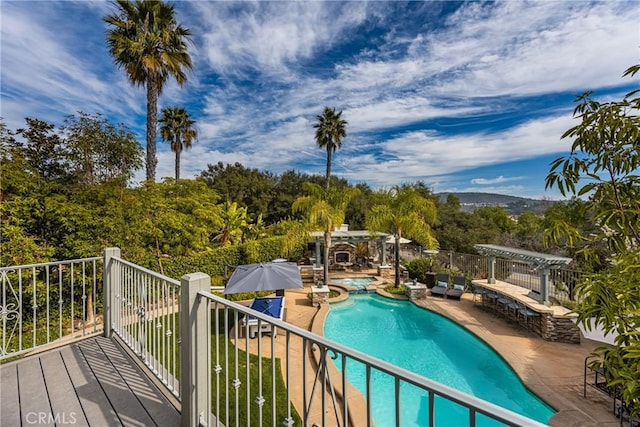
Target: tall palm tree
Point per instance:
(404, 212)
(147, 42)
(177, 128)
(323, 210)
(330, 130)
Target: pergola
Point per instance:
(542, 262)
(343, 235)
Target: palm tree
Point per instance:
(147, 42)
(404, 212)
(330, 130)
(323, 210)
(179, 130)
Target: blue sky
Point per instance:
(465, 96)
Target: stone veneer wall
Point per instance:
(386, 272)
(319, 298)
(560, 329)
(415, 292)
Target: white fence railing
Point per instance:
(562, 281)
(197, 344)
(228, 379)
(143, 309)
(48, 302)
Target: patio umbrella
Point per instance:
(391, 240)
(270, 276)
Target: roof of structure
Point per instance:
(351, 235)
(537, 258)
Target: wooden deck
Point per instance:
(92, 382)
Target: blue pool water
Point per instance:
(357, 282)
(432, 346)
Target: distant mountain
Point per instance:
(513, 205)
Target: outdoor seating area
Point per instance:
(443, 289)
(273, 306)
(514, 304)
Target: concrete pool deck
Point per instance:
(553, 371)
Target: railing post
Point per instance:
(195, 349)
(108, 289)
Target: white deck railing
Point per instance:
(44, 303)
(142, 308)
(216, 361)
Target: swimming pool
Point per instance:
(430, 345)
(356, 282)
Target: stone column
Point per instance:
(492, 270)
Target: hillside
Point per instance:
(513, 205)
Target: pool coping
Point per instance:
(571, 410)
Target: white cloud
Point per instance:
(420, 98)
(498, 180)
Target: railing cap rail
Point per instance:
(147, 271)
(44, 264)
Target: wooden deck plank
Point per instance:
(93, 382)
(122, 398)
(158, 407)
(65, 406)
(96, 407)
(34, 402)
(9, 401)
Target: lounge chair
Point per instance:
(273, 306)
(459, 283)
(442, 284)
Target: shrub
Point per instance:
(418, 268)
(395, 291)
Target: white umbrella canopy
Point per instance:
(269, 276)
(392, 240)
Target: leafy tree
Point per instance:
(288, 187)
(44, 150)
(575, 212)
(453, 227)
(602, 165)
(357, 210)
(179, 130)
(497, 216)
(234, 223)
(249, 188)
(99, 151)
(330, 129)
(324, 210)
(403, 212)
(147, 42)
(527, 233)
(14, 173)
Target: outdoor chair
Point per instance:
(501, 305)
(527, 315)
(459, 284)
(273, 306)
(480, 292)
(490, 300)
(442, 284)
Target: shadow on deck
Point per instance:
(91, 382)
